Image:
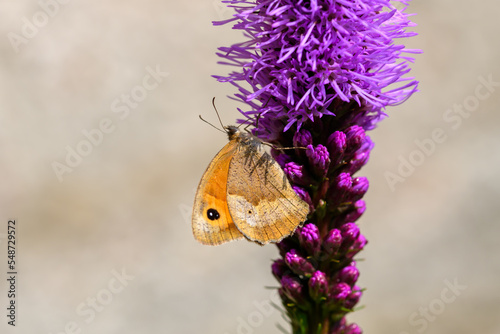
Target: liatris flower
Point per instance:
(316, 75)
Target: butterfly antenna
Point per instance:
(213, 126)
(217, 112)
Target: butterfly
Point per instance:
(244, 193)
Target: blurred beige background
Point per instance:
(107, 246)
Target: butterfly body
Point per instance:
(244, 193)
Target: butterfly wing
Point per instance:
(261, 201)
(211, 221)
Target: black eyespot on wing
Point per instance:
(213, 214)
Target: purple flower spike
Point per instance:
(350, 233)
(359, 209)
(349, 275)
(302, 138)
(298, 264)
(301, 57)
(304, 195)
(357, 246)
(368, 145)
(355, 137)
(285, 245)
(319, 74)
(343, 182)
(319, 159)
(340, 187)
(359, 160)
(340, 291)
(339, 327)
(336, 144)
(353, 329)
(279, 268)
(353, 297)
(309, 238)
(318, 286)
(360, 242)
(359, 188)
(296, 173)
(332, 241)
(292, 289)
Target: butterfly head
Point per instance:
(232, 131)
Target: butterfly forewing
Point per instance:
(211, 221)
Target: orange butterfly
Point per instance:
(244, 193)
